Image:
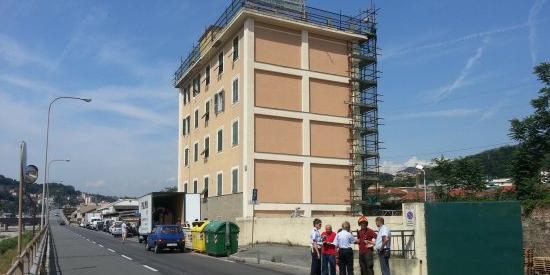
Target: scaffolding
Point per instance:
(363, 108)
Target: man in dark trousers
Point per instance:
(383, 245)
(344, 242)
(328, 261)
(316, 243)
(365, 239)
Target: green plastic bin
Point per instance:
(222, 238)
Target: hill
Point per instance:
(495, 163)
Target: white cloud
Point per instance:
(437, 114)
(96, 184)
(459, 81)
(531, 22)
(392, 167)
(15, 54)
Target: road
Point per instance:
(82, 251)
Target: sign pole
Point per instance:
(22, 165)
(254, 200)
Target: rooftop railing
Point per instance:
(364, 24)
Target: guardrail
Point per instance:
(32, 259)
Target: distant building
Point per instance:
(500, 182)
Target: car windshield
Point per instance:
(171, 229)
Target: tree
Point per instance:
(171, 189)
(532, 159)
(465, 174)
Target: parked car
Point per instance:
(116, 229)
(98, 226)
(107, 226)
(61, 222)
(166, 237)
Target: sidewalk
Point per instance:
(297, 259)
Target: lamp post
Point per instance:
(421, 168)
(42, 218)
(48, 181)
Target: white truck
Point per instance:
(167, 208)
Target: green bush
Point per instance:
(11, 243)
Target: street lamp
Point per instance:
(48, 180)
(421, 168)
(42, 218)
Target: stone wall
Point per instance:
(536, 231)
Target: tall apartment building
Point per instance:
(280, 97)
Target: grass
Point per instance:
(8, 250)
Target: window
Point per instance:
(196, 152)
(235, 180)
(187, 124)
(206, 147)
(235, 93)
(235, 49)
(188, 94)
(219, 102)
(220, 140)
(196, 118)
(196, 86)
(185, 187)
(186, 157)
(220, 63)
(184, 127)
(206, 112)
(195, 186)
(185, 92)
(205, 187)
(207, 75)
(219, 184)
(235, 133)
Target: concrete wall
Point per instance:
(226, 207)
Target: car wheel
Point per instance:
(147, 247)
(140, 240)
(157, 249)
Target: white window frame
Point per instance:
(207, 110)
(204, 147)
(196, 120)
(218, 141)
(222, 65)
(195, 180)
(233, 102)
(219, 191)
(196, 147)
(219, 94)
(233, 48)
(232, 133)
(235, 168)
(207, 186)
(186, 161)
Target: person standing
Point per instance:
(383, 245)
(344, 244)
(366, 240)
(328, 262)
(316, 243)
(124, 229)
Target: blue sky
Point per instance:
(453, 74)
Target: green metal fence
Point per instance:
(474, 238)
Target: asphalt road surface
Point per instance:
(82, 251)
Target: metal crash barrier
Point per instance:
(33, 259)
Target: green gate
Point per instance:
(474, 238)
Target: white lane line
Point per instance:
(100, 245)
(126, 257)
(94, 242)
(110, 250)
(150, 268)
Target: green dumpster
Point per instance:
(222, 238)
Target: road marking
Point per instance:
(150, 268)
(93, 242)
(110, 250)
(126, 257)
(100, 245)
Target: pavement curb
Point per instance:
(265, 262)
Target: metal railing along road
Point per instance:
(33, 259)
(310, 15)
